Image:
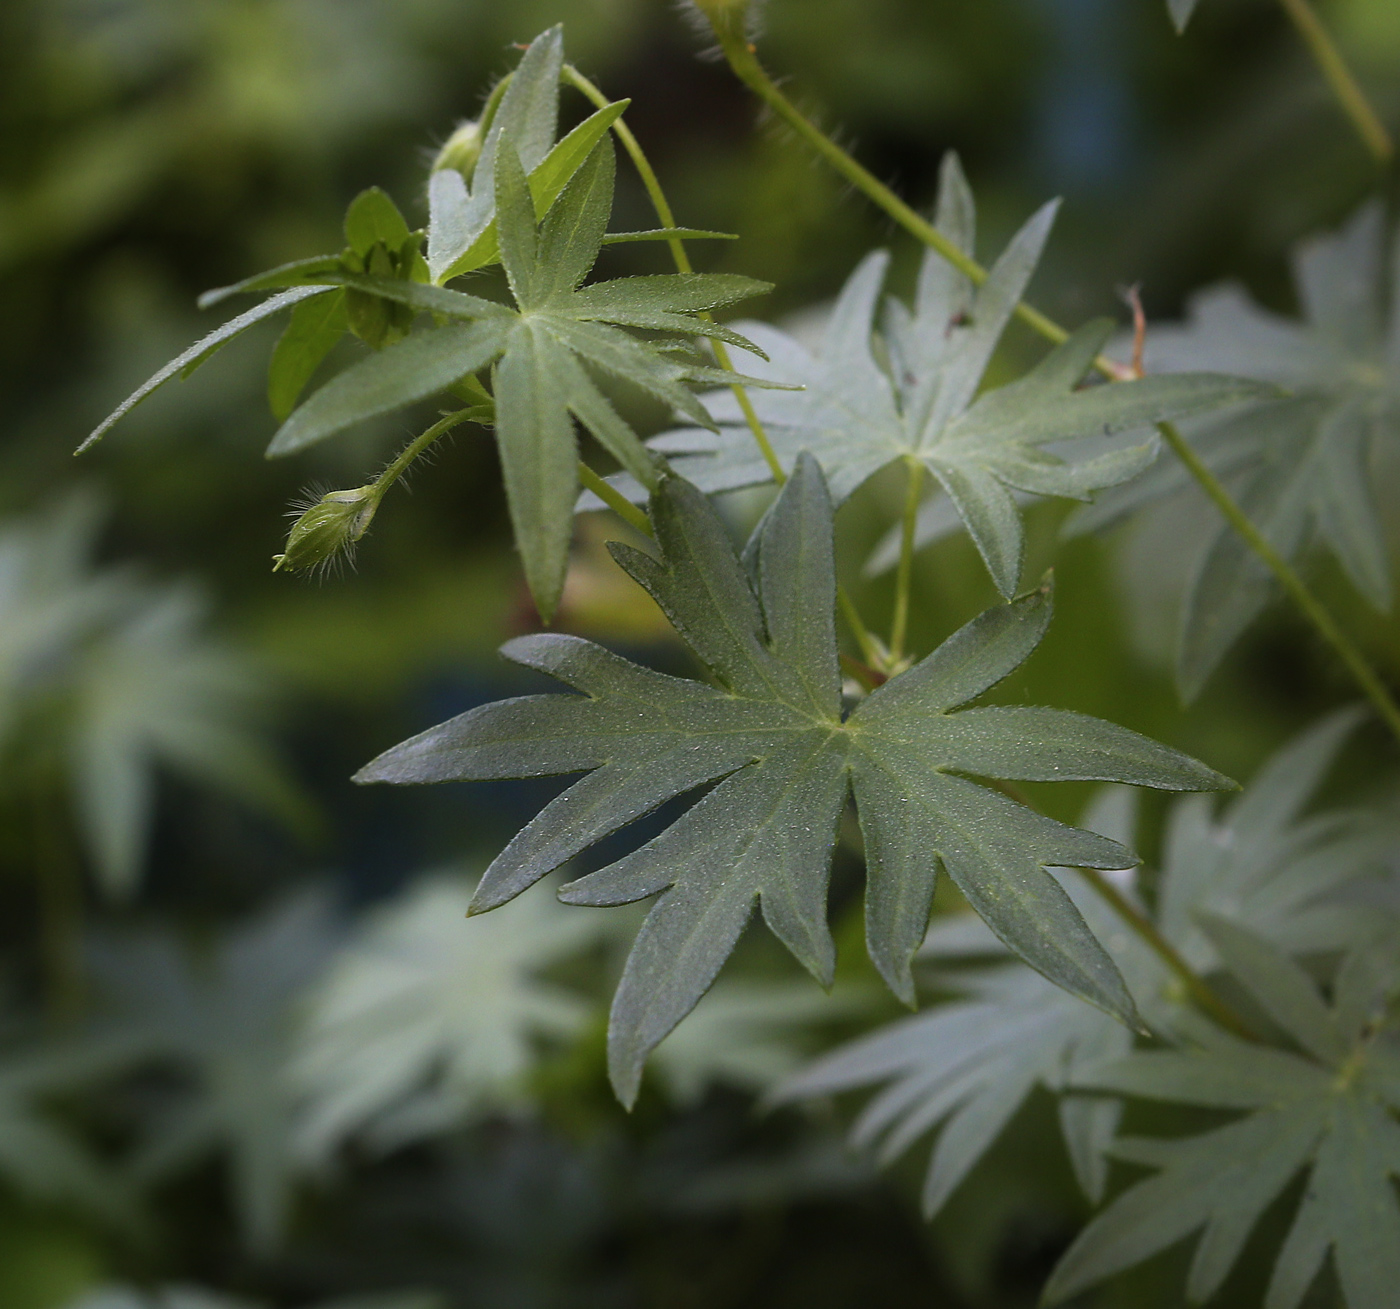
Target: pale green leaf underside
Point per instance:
(862, 408)
(770, 731)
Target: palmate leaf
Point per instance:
(224, 1020)
(1330, 1109)
(1300, 466)
(423, 1021)
(541, 352)
(857, 413)
(773, 730)
(970, 1064)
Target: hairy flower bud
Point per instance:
(461, 150)
(332, 525)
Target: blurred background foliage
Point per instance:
(188, 991)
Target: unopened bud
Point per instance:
(461, 150)
(332, 525)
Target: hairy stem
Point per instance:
(400, 462)
(906, 559)
(869, 646)
(743, 60)
(1341, 79)
(614, 499)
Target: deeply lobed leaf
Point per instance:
(771, 733)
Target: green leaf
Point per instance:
(771, 733)
(314, 330)
(1332, 1114)
(970, 1065)
(547, 181)
(526, 119)
(152, 691)
(300, 272)
(1298, 466)
(183, 365)
(374, 219)
(669, 234)
(919, 398)
(412, 370)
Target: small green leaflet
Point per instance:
(423, 1022)
(1328, 1108)
(857, 414)
(42, 1160)
(1298, 466)
(774, 731)
(542, 354)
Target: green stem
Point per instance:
(1341, 79)
(752, 73)
(869, 646)
(1146, 930)
(747, 68)
(1365, 676)
(614, 499)
(906, 559)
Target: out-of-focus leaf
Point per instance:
(1300, 466)
(1181, 11)
(156, 693)
(427, 1018)
(745, 1034)
(1263, 864)
(859, 411)
(773, 730)
(1331, 1111)
(42, 1160)
(223, 1018)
